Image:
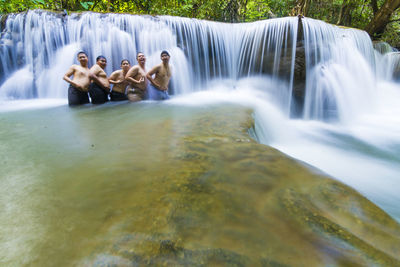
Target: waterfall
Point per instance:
(320, 93)
(389, 66)
(44, 45)
(340, 66)
(350, 126)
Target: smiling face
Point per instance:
(125, 65)
(102, 62)
(141, 59)
(165, 58)
(82, 58)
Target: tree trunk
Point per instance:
(382, 17)
(374, 6)
(232, 11)
(77, 5)
(244, 11)
(301, 8)
(345, 12)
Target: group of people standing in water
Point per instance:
(129, 83)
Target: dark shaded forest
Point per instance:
(380, 18)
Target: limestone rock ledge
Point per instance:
(222, 199)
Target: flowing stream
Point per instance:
(341, 115)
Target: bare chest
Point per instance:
(81, 72)
(102, 74)
(164, 72)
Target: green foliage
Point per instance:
(219, 10)
(391, 34)
(39, 2)
(352, 13)
(86, 5)
(13, 6)
(257, 10)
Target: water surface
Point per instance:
(160, 184)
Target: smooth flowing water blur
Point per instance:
(364, 154)
(138, 184)
(345, 120)
(126, 179)
(65, 171)
(200, 50)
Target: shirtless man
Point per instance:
(100, 86)
(79, 85)
(136, 76)
(158, 89)
(117, 78)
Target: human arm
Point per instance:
(133, 73)
(113, 78)
(67, 78)
(150, 74)
(94, 75)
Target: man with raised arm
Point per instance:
(100, 86)
(136, 76)
(117, 78)
(158, 89)
(79, 84)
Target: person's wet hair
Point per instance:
(165, 52)
(81, 52)
(122, 61)
(101, 57)
(137, 54)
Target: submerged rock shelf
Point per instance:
(175, 186)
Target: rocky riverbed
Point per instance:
(160, 185)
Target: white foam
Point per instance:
(13, 105)
(341, 150)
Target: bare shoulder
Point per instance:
(74, 67)
(155, 69)
(95, 68)
(117, 72)
(134, 69)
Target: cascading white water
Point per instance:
(46, 44)
(389, 66)
(340, 71)
(350, 124)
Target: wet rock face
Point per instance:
(299, 81)
(383, 47)
(164, 185)
(3, 19)
(222, 199)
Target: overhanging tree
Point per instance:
(382, 18)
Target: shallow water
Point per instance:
(64, 170)
(78, 179)
(362, 153)
(170, 184)
(181, 182)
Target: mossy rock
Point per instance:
(222, 199)
(150, 184)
